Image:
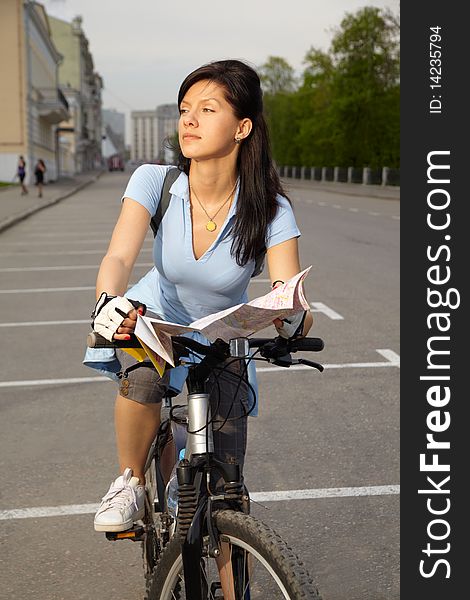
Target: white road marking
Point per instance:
(46, 323)
(390, 355)
(67, 253)
(353, 209)
(337, 206)
(274, 496)
(83, 288)
(329, 312)
(393, 360)
(374, 214)
(27, 244)
(317, 307)
(395, 217)
(60, 268)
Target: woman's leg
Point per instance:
(137, 418)
(136, 426)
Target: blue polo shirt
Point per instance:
(180, 288)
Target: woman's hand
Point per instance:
(287, 328)
(115, 317)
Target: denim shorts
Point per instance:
(229, 398)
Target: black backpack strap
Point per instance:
(170, 177)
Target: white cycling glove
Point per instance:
(109, 313)
(292, 326)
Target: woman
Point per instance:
(39, 171)
(21, 172)
(226, 205)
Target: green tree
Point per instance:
(277, 76)
(278, 82)
(365, 91)
(345, 112)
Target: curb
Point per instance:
(10, 221)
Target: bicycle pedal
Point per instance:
(136, 534)
(215, 586)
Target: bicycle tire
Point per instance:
(151, 544)
(285, 573)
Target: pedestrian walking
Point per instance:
(39, 171)
(21, 174)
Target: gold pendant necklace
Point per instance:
(211, 225)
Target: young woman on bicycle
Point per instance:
(227, 204)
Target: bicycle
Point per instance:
(207, 543)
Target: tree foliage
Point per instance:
(345, 109)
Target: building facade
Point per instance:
(150, 131)
(167, 125)
(80, 136)
(114, 124)
(144, 135)
(32, 104)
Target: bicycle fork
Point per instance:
(194, 502)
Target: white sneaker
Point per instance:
(122, 505)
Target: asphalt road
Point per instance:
(334, 434)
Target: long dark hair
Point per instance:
(259, 181)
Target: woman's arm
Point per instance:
(283, 263)
(116, 266)
(127, 239)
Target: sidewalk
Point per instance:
(386, 192)
(15, 208)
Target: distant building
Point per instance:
(150, 129)
(167, 124)
(114, 124)
(79, 136)
(32, 105)
(144, 135)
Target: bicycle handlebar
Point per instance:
(307, 344)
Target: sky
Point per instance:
(143, 49)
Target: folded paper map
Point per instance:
(241, 320)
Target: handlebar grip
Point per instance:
(308, 345)
(95, 340)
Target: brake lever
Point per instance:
(309, 363)
(282, 361)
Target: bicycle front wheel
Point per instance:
(255, 564)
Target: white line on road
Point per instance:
(390, 355)
(274, 496)
(83, 288)
(57, 242)
(393, 360)
(60, 268)
(67, 253)
(317, 307)
(329, 312)
(47, 323)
